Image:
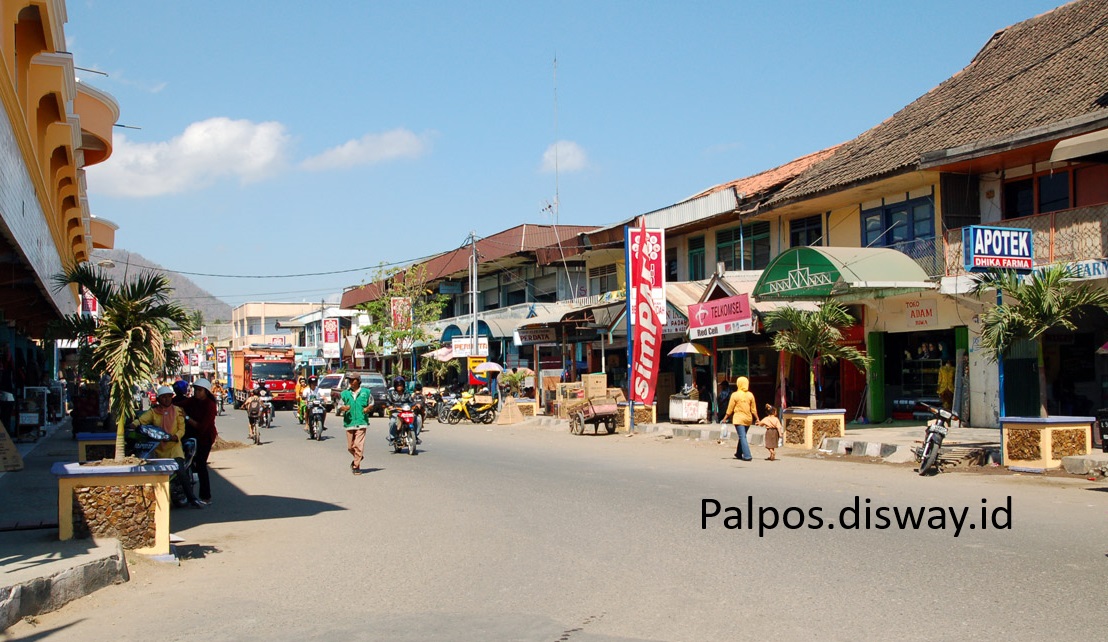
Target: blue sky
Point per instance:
(282, 137)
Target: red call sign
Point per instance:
(330, 331)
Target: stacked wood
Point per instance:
(822, 428)
(1023, 444)
(1066, 443)
(794, 430)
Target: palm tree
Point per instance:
(131, 339)
(1046, 299)
(814, 336)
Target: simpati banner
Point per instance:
(331, 339)
(654, 255)
(648, 326)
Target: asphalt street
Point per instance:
(530, 533)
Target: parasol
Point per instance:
(688, 350)
(488, 366)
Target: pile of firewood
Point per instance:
(1023, 444)
(1065, 443)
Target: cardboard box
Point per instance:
(596, 385)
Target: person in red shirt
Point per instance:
(201, 409)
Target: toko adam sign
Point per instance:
(986, 248)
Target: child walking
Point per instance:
(773, 431)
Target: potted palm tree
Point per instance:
(119, 498)
(1029, 306)
(816, 338)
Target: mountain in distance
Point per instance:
(117, 263)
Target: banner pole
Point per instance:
(630, 333)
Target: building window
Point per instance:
(900, 223)
(603, 279)
(744, 248)
(804, 232)
(671, 264)
(253, 325)
(696, 258)
(1049, 192)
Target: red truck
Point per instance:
(275, 366)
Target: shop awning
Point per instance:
(1087, 147)
(494, 328)
(816, 273)
(449, 332)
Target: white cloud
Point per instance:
(204, 153)
(371, 149)
(564, 156)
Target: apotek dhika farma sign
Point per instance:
(996, 247)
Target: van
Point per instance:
(373, 381)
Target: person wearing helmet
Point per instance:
(311, 390)
(171, 419)
(298, 394)
(395, 398)
(180, 392)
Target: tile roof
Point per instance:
(1032, 74)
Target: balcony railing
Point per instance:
(1056, 237)
(925, 252)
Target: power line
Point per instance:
(283, 276)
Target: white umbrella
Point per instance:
(443, 354)
(488, 366)
(688, 350)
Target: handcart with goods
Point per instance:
(601, 410)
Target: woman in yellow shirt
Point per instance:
(743, 411)
(171, 419)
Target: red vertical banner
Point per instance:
(648, 327)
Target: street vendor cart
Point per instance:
(595, 411)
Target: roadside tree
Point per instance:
(815, 337)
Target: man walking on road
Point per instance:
(354, 402)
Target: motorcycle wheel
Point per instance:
(489, 416)
(319, 431)
(928, 457)
(453, 416)
(411, 443)
(397, 444)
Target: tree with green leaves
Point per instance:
(431, 369)
(131, 340)
(815, 337)
(1031, 305)
(402, 311)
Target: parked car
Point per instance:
(373, 381)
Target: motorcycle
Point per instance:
(937, 429)
(141, 441)
(317, 412)
(266, 418)
(442, 405)
(405, 428)
(466, 407)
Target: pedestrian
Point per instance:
(945, 387)
(773, 431)
(355, 399)
(201, 410)
(743, 411)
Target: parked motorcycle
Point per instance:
(466, 408)
(141, 441)
(405, 428)
(937, 429)
(317, 412)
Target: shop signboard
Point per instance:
(221, 355)
(477, 378)
(986, 248)
(463, 346)
(536, 336)
(921, 313)
(400, 308)
(207, 365)
(676, 324)
(721, 316)
(331, 338)
(654, 256)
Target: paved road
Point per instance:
(498, 533)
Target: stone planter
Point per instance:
(808, 428)
(643, 415)
(94, 446)
(129, 503)
(1042, 442)
(528, 408)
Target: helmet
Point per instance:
(312, 380)
(261, 387)
(181, 387)
(419, 387)
(164, 390)
(202, 383)
(397, 381)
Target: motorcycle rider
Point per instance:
(253, 407)
(395, 398)
(419, 404)
(299, 394)
(311, 391)
(165, 415)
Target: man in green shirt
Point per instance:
(355, 399)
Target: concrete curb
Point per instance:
(107, 565)
(1084, 465)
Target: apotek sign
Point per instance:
(721, 316)
(996, 247)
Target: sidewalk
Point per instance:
(38, 573)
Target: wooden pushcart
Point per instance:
(595, 411)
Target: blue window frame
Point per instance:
(899, 223)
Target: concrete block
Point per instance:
(901, 455)
(1078, 465)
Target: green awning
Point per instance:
(816, 273)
